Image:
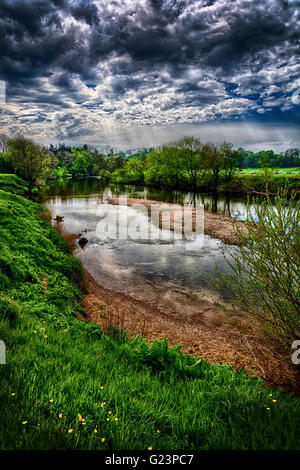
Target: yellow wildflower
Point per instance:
(45, 336)
(51, 401)
(268, 408)
(103, 404)
(103, 439)
(158, 430)
(95, 431)
(70, 431)
(274, 401)
(116, 419)
(149, 448)
(13, 394)
(110, 412)
(60, 415)
(24, 422)
(101, 388)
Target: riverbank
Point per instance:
(212, 334)
(68, 385)
(215, 225)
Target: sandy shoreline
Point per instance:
(215, 225)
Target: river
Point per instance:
(175, 275)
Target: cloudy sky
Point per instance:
(128, 73)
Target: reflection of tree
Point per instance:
(214, 206)
(228, 207)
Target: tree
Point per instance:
(31, 161)
(232, 159)
(265, 163)
(164, 167)
(190, 150)
(83, 163)
(214, 161)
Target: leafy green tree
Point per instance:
(190, 151)
(265, 163)
(30, 161)
(83, 163)
(164, 167)
(231, 160)
(214, 161)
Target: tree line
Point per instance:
(187, 162)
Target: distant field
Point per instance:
(285, 171)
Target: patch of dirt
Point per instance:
(215, 225)
(213, 340)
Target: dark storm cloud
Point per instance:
(204, 57)
(160, 31)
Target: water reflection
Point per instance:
(228, 204)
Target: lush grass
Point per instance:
(12, 184)
(58, 365)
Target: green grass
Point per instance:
(59, 364)
(12, 184)
(285, 171)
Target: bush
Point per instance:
(9, 309)
(265, 277)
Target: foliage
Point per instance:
(265, 277)
(30, 161)
(13, 184)
(64, 374)
(131, 172)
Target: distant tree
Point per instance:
(164, 167)
(265, 163)
(232, 159)
(214, 161)
(30, 161)
(190, 150)
(82, 164)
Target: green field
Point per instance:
(276, 171)
(66, 385)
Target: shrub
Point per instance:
(9, 309)
(265, 277)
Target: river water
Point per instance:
(173, 274)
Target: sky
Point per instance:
(128, 74)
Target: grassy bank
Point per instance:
(252, 180)
(68, 386)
